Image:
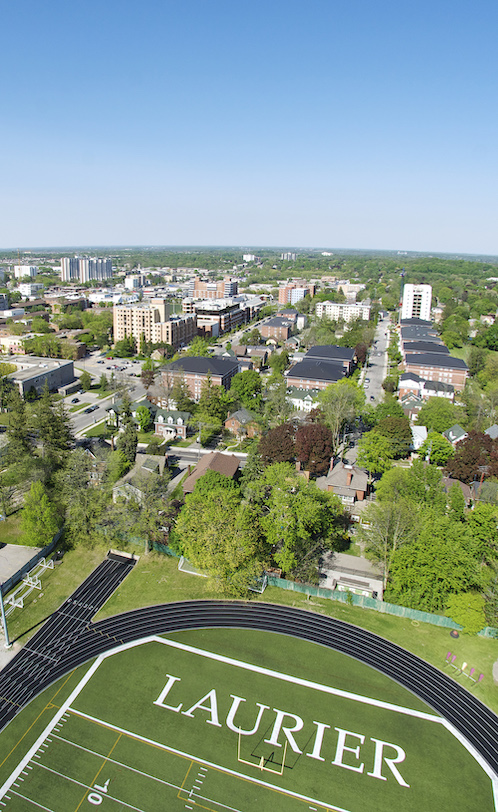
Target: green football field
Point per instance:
(234, 720)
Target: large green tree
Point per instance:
(245, 387)
(220, 536)
(386, 526)
(341, 403)
(439, 414)
(375, 453)
(299, 521)
(39, 518)
(51, 422)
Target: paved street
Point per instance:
(376, 369)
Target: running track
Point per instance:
(69, 638)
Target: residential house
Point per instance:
(455, 434)
(243, 423)
(348, 482)
(302, 400)
(226, 464)
(131, 485)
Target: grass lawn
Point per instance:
(100, 430)
(150, 737)
(78, 407)
(10, 530)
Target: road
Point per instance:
(376, 369)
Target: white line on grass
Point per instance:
(211, 764)
(30, 800)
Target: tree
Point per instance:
(127, 443)
(299, 521)
(51, 422)
(482, 523)
(375, 453)
(39, 522)
(341, 403)
(441, 561)
(83, 504)
(180, 393)
(198, 348)
(278, 362)
(220, 536)
(125, 348)
(214, 401)
(277, 407)
(17, 428)
(386, 526)
(246, 388)
(467, 609)
(103, 384)
(397, 430)
(436, 449)
(390, 407)
(277, 445)
(148, 373)
(144, 418)
(421, 484)
(313, 447)
(390, 384)
(456, 503)
(438, 414)
(471, 456)
(86, 381)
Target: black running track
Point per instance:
(69, 639)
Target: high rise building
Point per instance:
(25, 270)
(416, 302)
(84, 270)
(294, 292)
(203, 289)
(151, 320)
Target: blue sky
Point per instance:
(347, 124)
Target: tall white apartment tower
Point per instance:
(69, 269)
(416, 302)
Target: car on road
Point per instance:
(372, 397)
(91, 408)
(367, 380)
(100, 362)
(75, 400)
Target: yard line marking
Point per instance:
(119, 763)
(30, 800)
(100, 770)
(88, 788)
(211, 764)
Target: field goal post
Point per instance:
(260, 765)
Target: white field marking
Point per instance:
(207, 763)
(30, 800)
(119, 763)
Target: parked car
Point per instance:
(75, 400)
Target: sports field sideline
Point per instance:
(216, 719)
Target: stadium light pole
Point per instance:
(7, 643)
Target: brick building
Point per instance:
(195, 370)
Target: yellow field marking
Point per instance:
(47, 706)
(99, 771)
(186, 776)
(182, 789)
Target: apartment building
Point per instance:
(196, 369)
(82, 269)
(416, 302)
(294, 292)
(205, 289)
(152, 320)
(345, 311)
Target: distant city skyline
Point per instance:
(371, 126)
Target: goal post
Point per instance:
(261, 765)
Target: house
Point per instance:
(348, 482)
(411, 383)
(131, 485)
(455, 434)
(312, 374)
(492, 432)
(196, 369)
(447, 482)
(171, 424)
(226, 464)
(419, 436)
(243, 423)
(303, 400)
(333, 354)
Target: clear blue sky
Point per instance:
(332, 123)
